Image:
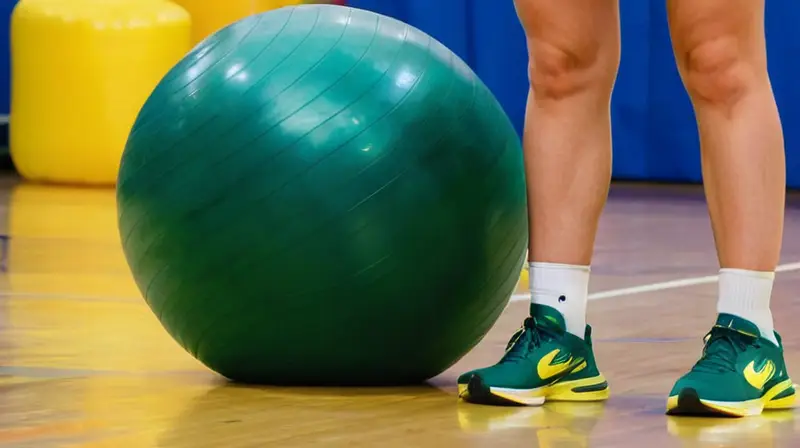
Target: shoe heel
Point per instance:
(782, 403)
(587, 389)
(783, 396)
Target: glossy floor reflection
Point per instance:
(83, 363)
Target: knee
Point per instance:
(716, 71)
(556, 72)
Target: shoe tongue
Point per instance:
(737, 324)
(548, 317)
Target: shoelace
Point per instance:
(723, 347)
(529, 337)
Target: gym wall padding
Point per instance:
(655, 137)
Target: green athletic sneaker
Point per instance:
(542, 362)
(739, 374)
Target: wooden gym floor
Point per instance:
(83, 363)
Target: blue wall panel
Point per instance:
(5, 61)
(655, 136)
(783, 49)
(452, 28)
(672, 150)
(499, 55)
(630, 104)
(6, 6)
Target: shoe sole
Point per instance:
(688, 403)
(586, 390)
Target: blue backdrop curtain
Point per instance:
(655, 137)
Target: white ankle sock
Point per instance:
(564, 287)
(746, 294)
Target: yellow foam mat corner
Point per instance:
(81, 70)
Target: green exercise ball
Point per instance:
(322, 195)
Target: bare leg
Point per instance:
(721, 53)
(574, 54)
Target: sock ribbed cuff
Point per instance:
(564, 287)
(559, 266)
(747, 294)
(742, 289)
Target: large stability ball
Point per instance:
(323, 195)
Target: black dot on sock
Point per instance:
(562, 298)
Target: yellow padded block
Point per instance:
(81, 70)
(209, 16)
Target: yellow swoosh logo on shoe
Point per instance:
(546, 369)
(758, 378)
